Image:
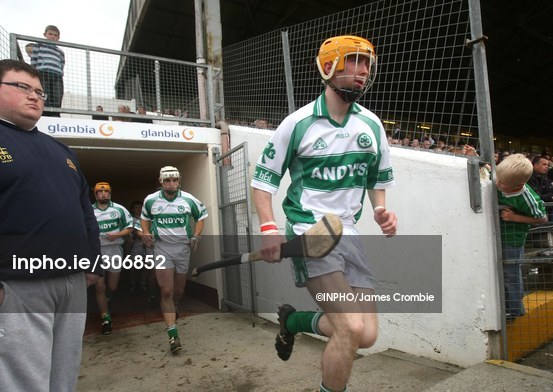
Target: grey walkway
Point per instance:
(225, 352)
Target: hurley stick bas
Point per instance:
(316, 242)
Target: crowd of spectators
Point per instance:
(427, 142)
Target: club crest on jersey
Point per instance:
(319, 144)
(5, 156)
(180, 208)
(269, 152)
(364, 141)
(113, 214)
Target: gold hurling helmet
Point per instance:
(335, 50)
(102, 186)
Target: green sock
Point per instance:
(172, 331)
(106, 316)
(303, 321)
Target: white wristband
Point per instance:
(379, 208)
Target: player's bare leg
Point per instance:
(347, 327)
(113, 281)
(180, 284)
(166, 282)
(370, 320)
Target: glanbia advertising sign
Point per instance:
(92, 129)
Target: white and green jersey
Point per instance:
(171, 219)
(331, 165)
(112, 220)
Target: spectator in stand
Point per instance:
(429, 137)
(503, 155)
(29, 49)
(426, 143)
(49, 60)
(441, 145)
(260, 123)
(123, 109)
(541, 183)
(142, 111)
(416, 145)
(522, 208)
(99, 108)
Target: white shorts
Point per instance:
(348, 257)
(175, 256)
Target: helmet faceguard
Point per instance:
(339, 50)
(168, 172)
(102, 186)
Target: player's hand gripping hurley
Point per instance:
(316, 242)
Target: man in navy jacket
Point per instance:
(49, 243)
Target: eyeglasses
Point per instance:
(25, 88)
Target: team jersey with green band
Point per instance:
(171, 219)
(331, 165)
(526, 202)
(112, 220)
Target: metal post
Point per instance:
(13, 46)
(211, 96)
(214, 54)
(288, 72)
(200, 58)
(485, 130)
(88, 82)
(158, 86)
(477, 43)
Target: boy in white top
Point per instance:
(167, 225)
(335, 150)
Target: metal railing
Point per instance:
(121, 82)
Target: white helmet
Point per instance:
(168, 172)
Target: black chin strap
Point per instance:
(349, 96)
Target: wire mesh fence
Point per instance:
(4, 43)
(528, 288)
(424, 88)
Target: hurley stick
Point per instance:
(316, 242)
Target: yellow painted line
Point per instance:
(521, 368)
